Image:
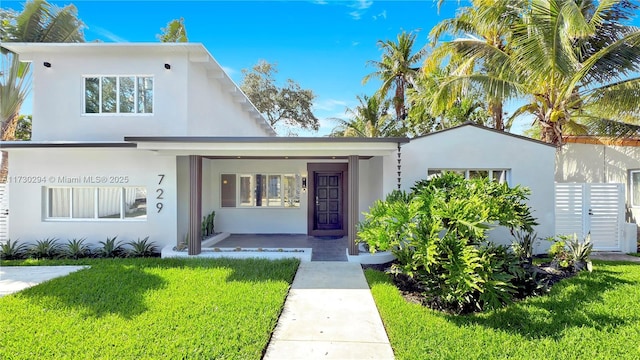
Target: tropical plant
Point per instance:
(142, 248)
(44, 249)
(370, 118)
(438, 235)
(564, 57)
(285, 107)
(579, 252)
(12, 250)
(397, 69)
(75, 249)
(110, 248)
(559, 254)
(523, 246)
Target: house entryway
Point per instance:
(327, 199)
(324, 248)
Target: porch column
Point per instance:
(353, 203)
(195, 204)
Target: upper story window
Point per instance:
(118, 94)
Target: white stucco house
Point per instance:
(608, 171)
(139, 140)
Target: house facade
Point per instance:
(136, 140)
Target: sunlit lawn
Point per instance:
(591, 316)
(148, 309)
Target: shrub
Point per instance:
(75, 249)
(12, 250)
(44, 249)
(569, 253)
(111, 248)
(142, 248)
(438, 235)
(523, 246)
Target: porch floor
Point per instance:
(324, 249)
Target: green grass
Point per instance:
(591, 316)
(148, 309)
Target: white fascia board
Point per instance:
(272, 149)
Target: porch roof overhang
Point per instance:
(269, 147)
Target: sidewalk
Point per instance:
(329, 314)
(16, 278)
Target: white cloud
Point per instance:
(107, 34)
(355, 15)
(329, 105)
(361, 6)
(320, 2)
(355, 43)
(382, 15)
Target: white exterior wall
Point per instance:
(213, 109)
(469, 147)
(59, 98)
(589, 163)
(187, 99)
(27, 200)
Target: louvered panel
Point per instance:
(4, 213)
(569, 209)
(606, 215)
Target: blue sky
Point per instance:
(323, 45)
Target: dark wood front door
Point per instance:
(328, 201)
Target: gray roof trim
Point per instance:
(469, 123)
(262, 139)
(63, 144)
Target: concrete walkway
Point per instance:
(16, 278)
(329, 314)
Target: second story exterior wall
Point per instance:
(104, 92)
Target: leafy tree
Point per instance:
(287, 107)
(174, 32)
(23, 130)
(397, 69)
(39, 21)
(369, 119)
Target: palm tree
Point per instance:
(368, 119)
(397, 69)
(485, 24)
(38, 22)
(570, 60)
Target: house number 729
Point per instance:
(159, 194)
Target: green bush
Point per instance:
(75, 249)
(438, 235)
(142, 248)
(12, 250)
(44, 249)
(110, 248)
(568, 253)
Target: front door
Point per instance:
(328, 201)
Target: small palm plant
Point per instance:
(142, 248)
(12, 250)
(111, 248)
(75, 249)
(580, 252)
(45, 249)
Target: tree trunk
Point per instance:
(496, 113)
(551, 132)
(7, 133)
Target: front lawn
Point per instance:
(148, 309)
(591, 316)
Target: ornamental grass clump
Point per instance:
(13, 250)
(438, 233)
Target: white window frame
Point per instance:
(631, 191)
(253, 184)
(467, 171)
(95, 217)
(117, 112)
